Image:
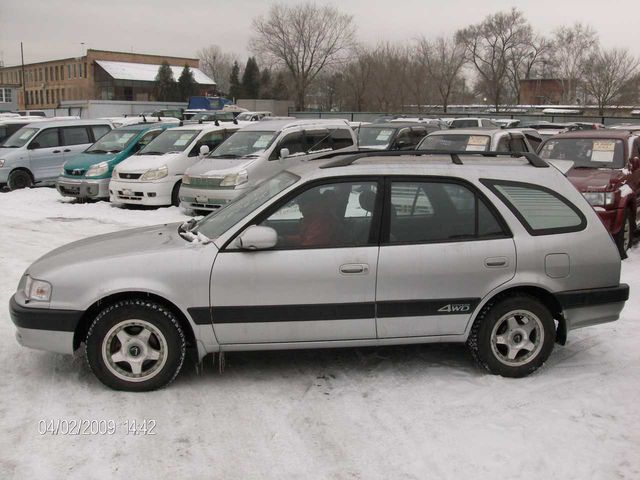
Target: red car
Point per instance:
(606, 169)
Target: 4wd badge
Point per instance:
(455, 308)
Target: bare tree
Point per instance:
(217, 64)
(489, 45)
(443, 59)
(606, 75)
(355, 81)
(522, 60)
(572, 47)
(305, 39)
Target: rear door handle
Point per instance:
(66, 150)
(56, 151)
(496, 262)
(354, 269)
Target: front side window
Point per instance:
(329, 215)
(462, 142)
(585, 152)
(76, 136)
(99, 131)
(245, 144)
(113, 142)
(434, 211)
(341, 138)
(318, 141)
(170, 141)
(294, 142)
(211, 140)
(46, 139)
(20, 138)
(540, 210)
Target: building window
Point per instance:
(85, 69)
(80, 70)
(62, 94)
(68, 71)
(75, 71)
(39, 74)
(7, 94)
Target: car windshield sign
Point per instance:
(20, 138)
(585, 152)
(244, 144)
(113, 142)
(219, 222)
(470, 143)
(375, 137)
(170, 141)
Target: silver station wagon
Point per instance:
(356, 249)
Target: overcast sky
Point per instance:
(52, 29)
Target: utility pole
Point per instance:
(24, 80)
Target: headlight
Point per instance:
(599, 199)
(98, 169)
(235, 179)
(186, 180)
(1, 162)
(38, 290)
(114, 173)
(155, 173)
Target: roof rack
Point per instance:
(348, 159)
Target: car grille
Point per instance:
(204, 182)
(129, 176)
(76, 172)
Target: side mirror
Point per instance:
(204, 150)
(403, 144)
(257, 238)
(635, 163)
(284, 152)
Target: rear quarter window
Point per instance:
(540, 210)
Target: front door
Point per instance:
(443, 250)
(45, 155)
(317, 284)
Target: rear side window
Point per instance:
(341, 138)
(75, 135)
(540, 210)
(100, 130)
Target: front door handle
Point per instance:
(56, 151)
(496, 262)
(354, 269)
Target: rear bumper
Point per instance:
(69, 187)
(612, 219)
(583, 308)
(210, 199)
(44, 328)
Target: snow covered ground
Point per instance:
(389, 413)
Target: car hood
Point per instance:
(142, 163)
(85, 160)
(595, 179)
(219, 166)
(112, 248)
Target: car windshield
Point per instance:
(375, 137)
(471, 143)
(219, 222)
(464, 123)
(169, 141)
(20, 138)
(244, 144)
(585, 152)
(210, 116)
(113, 142)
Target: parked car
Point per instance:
(477, 140)
(36, 152)
(366, 250)
(472, 123)
(118, 122)
(256, 152)
(212, 116)
(392, 135)
(433, 123)
(10, 125)
(605, 166)
(548, 129)
(506, 122)
(629, 127)
(87, 175)
(31, 113)
(153, 175)
(252, 116)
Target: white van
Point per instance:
(152, 176)
(259, 151)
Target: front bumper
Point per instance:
(83, 188)
(44, 328)
(156, 193)
(612, 219)
(583, 308)
(4, 174)
(210, 199)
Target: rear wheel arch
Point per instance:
(90, 314)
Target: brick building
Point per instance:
(98, 75)
(545, 91)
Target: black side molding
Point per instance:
(594, 296)
(44, 318)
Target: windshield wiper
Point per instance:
(96, 151)
(151, 153)
(226, 155)
(186, 231)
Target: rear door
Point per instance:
(443, 249)
(45, 154)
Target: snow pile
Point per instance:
(389, 413)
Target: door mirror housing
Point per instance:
(284, 152)
(204, 150)
(257, 238)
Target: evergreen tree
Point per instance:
(186, 84)
(265, 84)
(251, 79)
(235, 89)
(165, 85)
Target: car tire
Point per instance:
(624, 237)
(135, 345)
(19, 179)
(513, 336)
(175, 194)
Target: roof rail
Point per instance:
(349, 158)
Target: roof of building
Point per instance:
(144, 72)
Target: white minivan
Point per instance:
(257, 152)
(153, 175)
